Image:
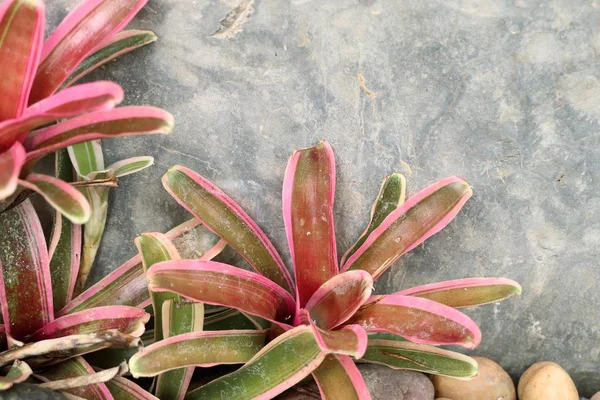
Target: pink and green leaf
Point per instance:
(201, 349)
(178, 318)
(66, 199)
(467, 292)
(123, 121)
(81, 99)
(92, 232)
(422, 216)
(418, 320)
(420, 357)
(230, 319)
(121, 43)
(79, 35)
(21, 36)
(351, 340)
(125, 319)
(19, 372)
(24, 272)
(127, 284)
(338, 299)
(226, 219)
(130, 165)
(77, 100)
(11, 162)
(87, 157)
(171, 315)
(65, 244)
(270, 372)
(338, 378)
(72, 368)
(391, 195)
(124, 389)
(221, 284)
(155, 247)
(308, 195)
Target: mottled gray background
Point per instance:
(503, 93)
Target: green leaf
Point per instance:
(62, 196)
(196, 349)
(285, 361)
(155, 247)
(122, 43)
(338, 378)
(76, 367)
(420, 357)
(391, 195)
(87, 157)
(65, 245)
(24, 272)
(229, 319)
(130, 165)
(178, 318)
(409, 225)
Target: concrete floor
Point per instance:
(503, 93)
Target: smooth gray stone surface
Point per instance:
(503, 93)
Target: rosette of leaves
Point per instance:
(77, 345)
(328, 318)
(43, 111)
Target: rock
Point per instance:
(388, 384)
(384, 384)
(546, 381)
(596, 396)
(491, 383)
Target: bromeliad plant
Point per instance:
(42, 112)
(35, 337)
(329, 317)
(46, 331)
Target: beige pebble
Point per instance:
(596, 396)
(546, 381)
(491, 383)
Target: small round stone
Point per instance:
(491, 383)
(546, 381)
